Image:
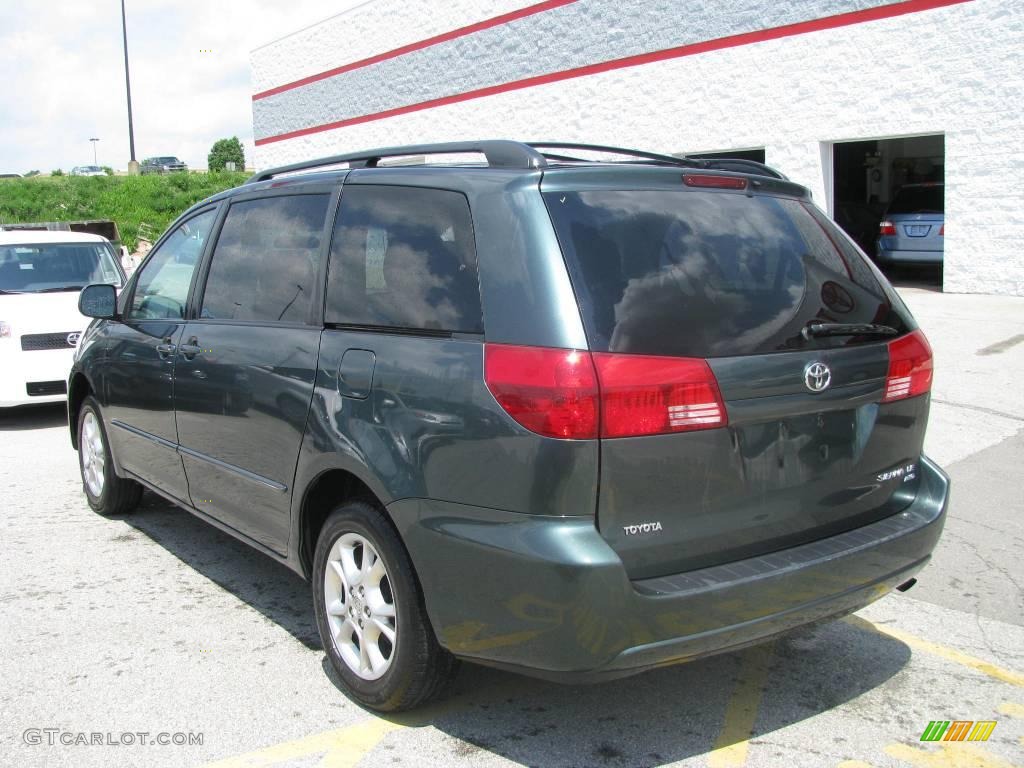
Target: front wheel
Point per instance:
(107, 493)
(371, 616)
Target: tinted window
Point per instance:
(404, 257)
(264, 266)
(919, 200)
(162, 285)
(710, 274)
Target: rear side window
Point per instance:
(710, 274)
(264, 266)
(403, 257)
(919, 200)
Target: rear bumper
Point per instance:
(891, 256)
(549, 598)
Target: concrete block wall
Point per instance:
(883, 70)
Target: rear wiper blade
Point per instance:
(847, 329)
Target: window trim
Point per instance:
(133, 281)
(315, 317)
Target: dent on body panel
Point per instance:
(430, 429)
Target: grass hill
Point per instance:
(129, 201)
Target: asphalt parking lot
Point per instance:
(158, 624)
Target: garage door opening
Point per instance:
(899, 181)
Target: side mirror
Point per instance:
(99, 301)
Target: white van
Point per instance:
(41, 275)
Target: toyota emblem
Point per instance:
(73, 338)
(817, 376)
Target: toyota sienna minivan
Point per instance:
(575, 418)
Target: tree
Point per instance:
(57, 172)
(226, 151)
(107, 170)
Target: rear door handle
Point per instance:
(191, 349)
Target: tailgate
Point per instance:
(729, 281)
(790, 467)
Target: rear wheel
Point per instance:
(371, 616)
(107, 493)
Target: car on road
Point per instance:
(87, 170)
(914, 226)
(41, 274)
(566, 417)
(162, 164)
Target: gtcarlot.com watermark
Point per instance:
(58, 736)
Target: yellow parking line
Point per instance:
(1011, 709)
(730, 750)
(341, 748)
(943, 651)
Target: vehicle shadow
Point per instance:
(669, 714)
(648, 720)
(40, 416)
(924, 276)
(266, 585)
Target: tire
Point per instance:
(417, 669)
(107, 493)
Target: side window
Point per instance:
(162, 286)
(404, 257)
(264, 266)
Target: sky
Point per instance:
(62, 76)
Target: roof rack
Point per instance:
(502, 153)
(499, 154)
(739, 165)
(638, 153)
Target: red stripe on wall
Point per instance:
(732, 41)
(497, 21)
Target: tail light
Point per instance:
(910, 367)
(643, 395)
(572, 394)
(887, 228)
(942, 230)
(552, 392)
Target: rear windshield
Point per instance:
(50, 267)
(919, 200)
(712, 274)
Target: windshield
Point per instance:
(712, 274)
(43, 267)
(167, 160)
(919, 200)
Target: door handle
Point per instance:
(190, 349)
(165, 348)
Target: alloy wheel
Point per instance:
(360, 606)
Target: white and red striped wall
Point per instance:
(792, 76)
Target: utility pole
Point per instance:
(94, 160)
(133, 165)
